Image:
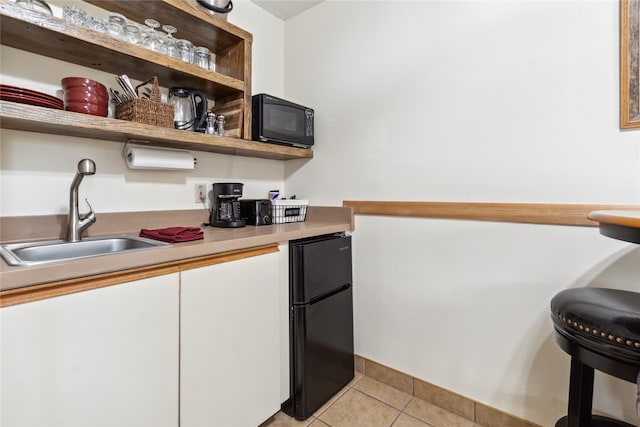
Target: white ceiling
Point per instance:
(287, 8)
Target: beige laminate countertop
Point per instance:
(319, 220)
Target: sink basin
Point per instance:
(35, 253)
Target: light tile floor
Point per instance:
(366, 402)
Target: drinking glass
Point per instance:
(116, 24)
(170, 45)
(132, 34)
(201, 57)
(153, 40)
(185, 50)
(98, 24)
(40, 6)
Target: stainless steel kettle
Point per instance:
(190, 108)
(219, 8)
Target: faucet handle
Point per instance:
(86, 220)
(90, 208)
(91, 216)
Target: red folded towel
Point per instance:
(173, 234)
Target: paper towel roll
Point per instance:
(158, 158)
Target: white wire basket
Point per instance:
(283, 211)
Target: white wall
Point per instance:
(37, 169)
(469, 101)
(268, 46)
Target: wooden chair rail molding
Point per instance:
(531, 213)
(54, 289)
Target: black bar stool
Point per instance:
(600, 329)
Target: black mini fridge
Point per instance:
(320, 320)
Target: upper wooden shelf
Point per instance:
(56, 38)
(191, 20)
(229, 86)
(46, 120)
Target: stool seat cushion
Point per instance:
(606, 321)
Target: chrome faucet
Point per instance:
(77, 223)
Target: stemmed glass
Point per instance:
(170, 46)
(153, 40)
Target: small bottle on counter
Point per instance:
(211, 123)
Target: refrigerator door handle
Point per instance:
(319, 298)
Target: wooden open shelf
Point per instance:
(55, 38)
(229, 86)
(46, 120)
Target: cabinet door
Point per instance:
(230, 343)
(105, 357)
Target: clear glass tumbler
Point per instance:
(98, 24)
(133, 34)
(40, 6)
(185, 50)
(201, 57)
(116, 23)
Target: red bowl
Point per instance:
(80, 82)
(93, 109)
(83, 96)
(80, 91)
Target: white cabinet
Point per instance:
(230, 343)
(204, 347)
(105, 357)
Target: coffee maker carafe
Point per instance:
(190, 108)
(225, 211)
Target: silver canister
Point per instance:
(220, 123)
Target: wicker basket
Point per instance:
(148, 111)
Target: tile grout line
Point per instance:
(313, 418)
(395, 419)
(475, 405)
(348, 387)
(400, 410)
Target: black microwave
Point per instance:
(282, 122)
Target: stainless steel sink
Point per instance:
(34, 253)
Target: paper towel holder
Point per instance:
(146, 145)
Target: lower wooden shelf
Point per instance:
(46, 120)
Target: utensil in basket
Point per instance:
(126, 86)
(149, 111)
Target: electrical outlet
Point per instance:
(200, 192)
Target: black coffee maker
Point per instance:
(225, 211)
